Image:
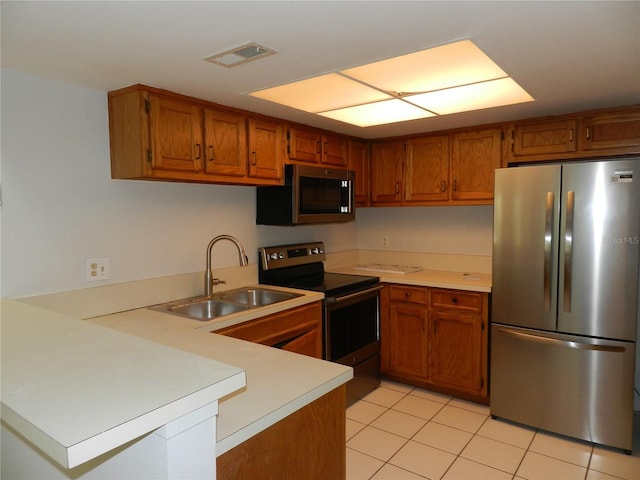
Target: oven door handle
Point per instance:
(344, 298)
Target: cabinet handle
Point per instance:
(254, 160)
(198, 151)
(211, 150)
(588, 133)
(443, 186)
(455, 185)
(571, 135)
(397, 187)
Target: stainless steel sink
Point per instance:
(257, 297)
(224, 303)
(206, 309)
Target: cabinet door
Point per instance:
(455, 351)
(427, 169)
(613, 130)
(386, 172)
(334, 150)
(265, 149)
(359, 163)
(407, 341)
(225, 143)
(176, 135)
(475, 156)
(304, 145)
(545, 138)
(309, 344)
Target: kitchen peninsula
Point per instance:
(77, 391)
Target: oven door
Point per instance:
(352, 338)
(352, 326)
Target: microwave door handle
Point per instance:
(350, 193)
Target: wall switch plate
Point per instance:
(97, 269)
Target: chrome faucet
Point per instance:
(209, 281)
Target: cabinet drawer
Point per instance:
(468, 301)
(290, 330)
(408, 294)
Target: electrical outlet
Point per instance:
(385, 241)
(97, 269)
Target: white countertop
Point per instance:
(471, 281)
(78, 390)
(278, 382)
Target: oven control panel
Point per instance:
(288, 255)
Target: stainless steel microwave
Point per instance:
(309, 195)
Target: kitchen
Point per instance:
(54, 129)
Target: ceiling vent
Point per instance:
(240, 55)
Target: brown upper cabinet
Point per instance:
(545, 138)
(314, 146)
(443, 169)
(358, 156)
(266, 150)
(164, 136)
(387, 186)
(475, 155)
(589, 134)
(225, 145)
(156, 134)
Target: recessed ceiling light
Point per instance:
(239, 55)
(451, 78)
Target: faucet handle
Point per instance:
(217, 281)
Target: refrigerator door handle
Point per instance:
(548, 242)
(561, 343)
(568, 251)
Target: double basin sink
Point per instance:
(224, 303)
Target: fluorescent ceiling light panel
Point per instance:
(452, 78)
(378, 113)
(494, 93)
(326, 92)
(449, 65)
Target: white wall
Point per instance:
(60, 205)
(444, 230)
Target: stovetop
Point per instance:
(300, 266)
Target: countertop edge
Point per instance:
(236, 438)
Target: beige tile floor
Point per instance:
(398, 432)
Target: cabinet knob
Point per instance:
(454, 300)
(407, 294)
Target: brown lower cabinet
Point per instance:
(308, 444)
(436, 338)
(297, 330)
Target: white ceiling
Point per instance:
(569, 56)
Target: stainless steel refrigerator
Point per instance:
(565, 298)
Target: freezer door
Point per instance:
(525, 246)
(600, 242)
(565, 384)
